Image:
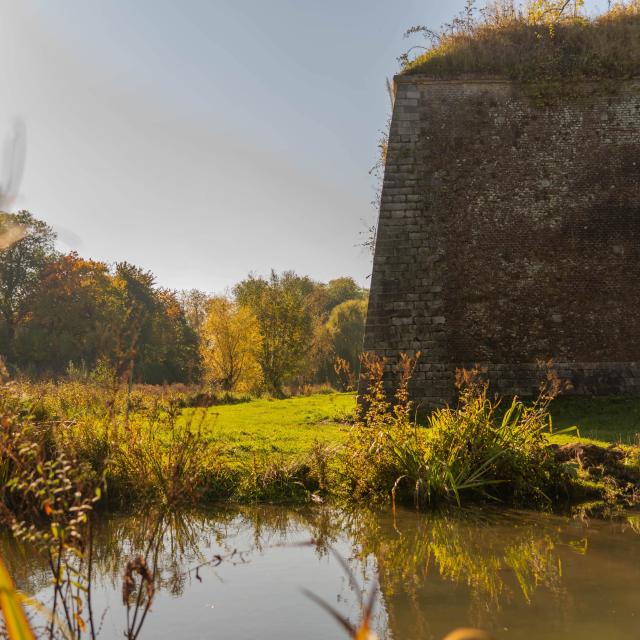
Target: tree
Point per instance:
(136, 290)
(282, 308)
(195, 304)
(327, 296)
(79, 312)
(70, 316)
(21, 263)
(155, 342)
(169, 351)
(230, 346)
(346, 328)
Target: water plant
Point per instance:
(15, 620)
(475, 449)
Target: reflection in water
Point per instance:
(464, 550)
(518, 575)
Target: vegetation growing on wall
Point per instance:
(546, 40)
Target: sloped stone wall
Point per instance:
(509, 233)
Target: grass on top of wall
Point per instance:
(607, 46)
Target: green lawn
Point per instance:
(290, 427)
(286, 427)
(612, 419)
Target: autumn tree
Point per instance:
(230, 344)
(195, 306)
(154, 341)
(79, 312)
(282, 307)
(21, 264)
(71, 315)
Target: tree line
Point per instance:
(62, 314)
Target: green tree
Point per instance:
(346, 328)
(29, 248)
(336, 292)
(154, 342)
(282, 307)
(139, 303)
(169, 350)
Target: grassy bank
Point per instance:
(151, 447)
(610, 420)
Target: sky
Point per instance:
(206, 139)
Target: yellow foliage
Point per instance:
(550, 11)
(14, 617)
(230, 344)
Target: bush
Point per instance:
(475, 450)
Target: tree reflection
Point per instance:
(497, 562)
(431, 568)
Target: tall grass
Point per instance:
(526, 47)
(474, 450)
(147, 450)
(303, 479)
(48, 502)
(143, 451)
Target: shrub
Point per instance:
(474, 450)
(162, 458)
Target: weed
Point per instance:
(524, 47)
(475, 449)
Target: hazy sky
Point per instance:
(205, 139)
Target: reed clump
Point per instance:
(142, 450)
(476, 450)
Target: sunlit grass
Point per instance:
(288, 427)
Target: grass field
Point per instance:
(290, 427)
(613, 419)
(281, 427)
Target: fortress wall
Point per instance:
(509, 233)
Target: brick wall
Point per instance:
(509, 233)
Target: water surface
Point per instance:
(518, 574)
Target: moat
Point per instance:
(517, 574)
